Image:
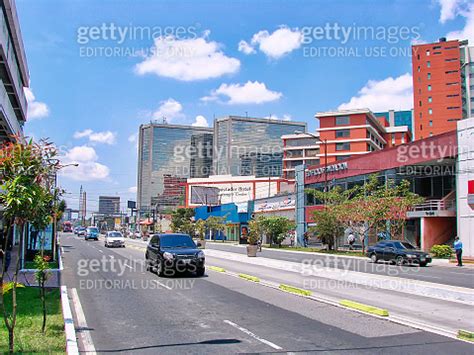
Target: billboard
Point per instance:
(275, 203)
(204, 195)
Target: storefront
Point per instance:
(430, 167)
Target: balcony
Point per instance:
(445, 207)
(10, 72)
(8, 122)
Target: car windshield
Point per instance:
(176, 241)
(404, 245)
(115, 235)
(95, 230)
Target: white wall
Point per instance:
(465, 214)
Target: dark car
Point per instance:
(168, 254)
(81, 231)
(397, 252)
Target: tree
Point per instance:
(181, 221)
(255, 230)
(277, 228)
(201, 229)
(328, 227)
(215, 224)
(25, 169)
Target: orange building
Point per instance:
(437, 87)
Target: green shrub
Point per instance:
(441, 251)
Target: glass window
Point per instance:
(311, 152)
(342, 157)
(429, 87)
(430, 99)
(429, 76)
(342, 133)
(427, 52)
(342, 120)
(343, 146)
(430, 111)
(431, 123)
(428, 64)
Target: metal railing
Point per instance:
(436, 205)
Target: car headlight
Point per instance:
(200, 254)
(168, 256)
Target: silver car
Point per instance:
(114, 239)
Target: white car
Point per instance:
(114, 239)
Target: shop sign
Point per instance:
(329, 169)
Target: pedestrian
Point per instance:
(259, 244)
(305, 239)
(458, 249)
(292, 240)
(351, 240)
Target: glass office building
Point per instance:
(398, 118)
(167, 155)
(246, 146)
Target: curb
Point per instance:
(216, 268)
(70, 331)
(364, 308)
(249, 277)
(295, 290)
(466, 335)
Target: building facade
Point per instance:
(441, 89)
(14, 74)
(398, 118)
(465, 186)
(299, 149)
(246, 146)
(109, 205)
(167, 155)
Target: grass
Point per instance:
(31, 265)
(28, 336)
(316, 250)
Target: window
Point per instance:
(431, 123)
(429, 87)
(311, 152)
(342, 120)
(436, 47)
(430, 99)
(436, 53)
(451, 72)
(428, 64)
(429, 76)
(418, 68)
(452, 84)
(451, 60)
(393, 139)
(431, 134)
(342, 157)
(430, 111)
(419, 103)
(343, 146)
(403, 138)
(452, 95)
(342, 133)
(418, 56)
(427, 52)
(453, 107)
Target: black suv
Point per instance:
(397, 252)
(168, 254)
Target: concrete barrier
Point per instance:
(249, 277)
(295, 290)
(364, 308)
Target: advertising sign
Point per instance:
(275, 203)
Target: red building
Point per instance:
(437, 87)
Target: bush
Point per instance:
(441, 251)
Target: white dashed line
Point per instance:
(256, 337)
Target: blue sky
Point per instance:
(275, 58)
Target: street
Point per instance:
(126, 308)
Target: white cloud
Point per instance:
(187, 59)
(246, 48)
(248, 93)
(132, 190)
(386, 94)
(468, 31)
(88, 168)
(36, 109)
(449, 9)
(132, 138)
(200, 121)
(169, 109)
(285, 117)
(274, 45)
(106, 137)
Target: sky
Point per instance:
(99, 69)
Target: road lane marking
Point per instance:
(256, 337)
(100, 251)
(83, 329)
(125, 264)
(162, 284)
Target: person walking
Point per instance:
(305, 239)
(351, 240)
(458, 249)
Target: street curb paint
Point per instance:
(295, 290)
(69, 329)
(466, 335)
(364, 308)
(249, 277)
(216, 268)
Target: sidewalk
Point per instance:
(27, 277)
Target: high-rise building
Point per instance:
(14, 74)
(441, 90)
(299, 149)
(109, 205)
(246, 146)
(166, 157)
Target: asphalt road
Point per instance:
(447, 275)
(130, 310)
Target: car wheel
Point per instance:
(374, 258)
(200, 271)
(399, 260)
(159, 268)
(423, 264)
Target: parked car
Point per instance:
(92, 233)
(81, 231)
(168, 254)
(398, 252)
(114, 239)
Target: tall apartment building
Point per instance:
(299, 149)
(166, 157)
(109, 205)
(246, 146)
(348, 133)
(14, 74)
(441, 89)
